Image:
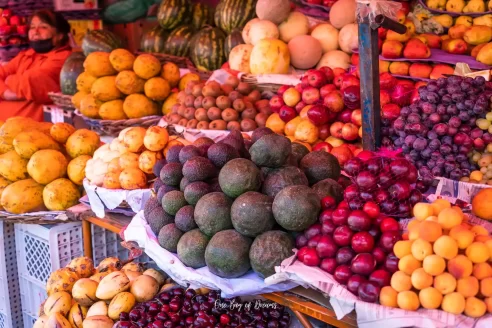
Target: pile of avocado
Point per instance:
(236, 204)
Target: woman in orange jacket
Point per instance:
(26, 80)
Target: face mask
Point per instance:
(42, 46)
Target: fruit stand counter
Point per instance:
(295, 299)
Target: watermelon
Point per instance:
(154, 40)
(232, 40)
(202, 15)
(72, 68)
(207, 49)
(178, 42)
(173, 13)
(232, 14)
(100, 40)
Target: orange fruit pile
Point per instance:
(445, 263)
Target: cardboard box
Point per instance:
(72, 5)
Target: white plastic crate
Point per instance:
(10, 299)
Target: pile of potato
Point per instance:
(80, 295)
(127, 162)
(234, 105)
(42, 165)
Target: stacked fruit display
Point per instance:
(189, 309)
(127, 162)
(214, 209)
(42, 164)
(118, 86)
(11, 24)
(81, 295)
(443, 264)
(234, 105)
(460, 6)
(437, 132)
(277, 39)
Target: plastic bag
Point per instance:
(127, 11)
(372, 8)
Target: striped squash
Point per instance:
(100, 40)
(232, 14)
(232, 40)
(207, 49)
(202, 15)
(71, 69)
(178, 42)
(154, 40)
(173, 13)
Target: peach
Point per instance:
(430, 298)
(477, 252)
(446, 247)
(488, 302)
(433, 41)
(420, 249)
(421, 279)
(474, 307)
(400, 281)
(439, 204)
(453, 303)
(291, 97)
(402, 248)
(445, 283)
(486, 287)
(439, 70)
(422, 211)
(468, 286)
(457, 31)
(388, 296)
(399, 68)
(392, 49)
(306, 131)
(408, 300)
(460, 267)
(449, 218)
(416, 49)
(420, 70)
(434, 265)
(409, 264)
(275, 123)
(430, 230)
(479, 230)
(462, 235)
(482, 270)
(456, 46)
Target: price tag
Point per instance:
(57, 115)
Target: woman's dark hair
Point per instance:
(55, 20)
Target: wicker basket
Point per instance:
(61, 100)
(270, 83)
(113, 128)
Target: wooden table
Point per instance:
(317, 306)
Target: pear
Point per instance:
(455, 6)
(432, 4)
(464, 20)
(445, 20)
(489, 6)
(474, 6)
(485, 20)
(485, 54)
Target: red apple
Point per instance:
(276, 102)
(311, 258)
(372, 209)
(4, 43)
(344, 116)
(342, 235)
(390, 111)
(336, 129)
(342, 274)
(328, 265)
(15, 20)
(340, 216)
(338, 80)
(384, 97)
(329, 74)
(354, 282)
(369, 292)
(324, 146)
(304, 82)
(314, 2)
(282, 89)
(15, 40)
(326, 247)
(7, 13)
(354, 59)
(345, 255)
(362, 242)
(310, 95)
(348, 80)
(350, 132)
(300, 105)
(316, 78)
(299, 87)
(389, 224)
(287, 113)
(334, 101)
(356, 117)
(318, 114)
(328, 4)
(301, 252)
(324, 131)
(324, 90)
(387, 81)
(381, 277)
(382, 33)
(379, 255)
(363, 263)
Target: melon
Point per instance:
(305, 51)
(342, 13)
(335, 59)
(270, 56)
(239, 58)
(263, 29)
(296, 24)
(327, 35)
(348, 38)
(247, 29)
(275, 11)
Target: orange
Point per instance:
(421, 279)
(488, 243)
(409, 264)
(305, 131)
(291, 126)
(486, 287)
(275, 123)
(440, 204)
(421, 248)
(482, 238)
(387, 296)
(445, 283)
(460, 267)
(434, 265)
(479, 230)
(400, 281)
(453, 303)
(432, 218)
(430, 298)
(408, 300)
(482, 271)
(462, 235)
(422, 211)
(468, 286)
(488, 302)
(449, 218)
(482, 204)
(430, 230)
(474, 307)
(402, 248)
(477, 252)
(446, 247)
(413, 224)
